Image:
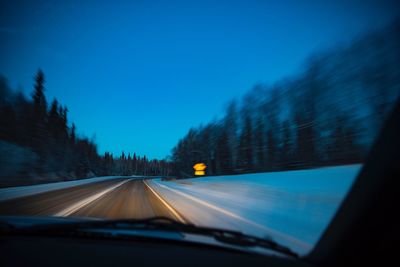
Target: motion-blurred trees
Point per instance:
(328, 114)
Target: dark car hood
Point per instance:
(27, 221)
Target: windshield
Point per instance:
(251, 116)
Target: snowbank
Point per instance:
(294, 207)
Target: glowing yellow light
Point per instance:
(199, 172)
(199, 169)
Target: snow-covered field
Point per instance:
(293, 207)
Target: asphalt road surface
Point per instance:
(115, 199)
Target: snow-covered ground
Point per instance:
(22, 191)
(293, 207)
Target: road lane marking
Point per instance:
(80, 204)
(238, 217)
(169, 207)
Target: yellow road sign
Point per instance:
(199, 169)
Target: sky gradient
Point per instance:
(139, 74)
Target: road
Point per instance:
(114, 199)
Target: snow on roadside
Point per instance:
(294, 207)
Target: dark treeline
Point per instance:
(326, 115)
(36, 140)
(134, 165)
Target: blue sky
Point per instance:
(139, 74)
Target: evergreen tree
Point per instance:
(231, 126)
(245, 151)
(259, 144)
(224, 155)
(271, 149)
(39, 99)
(287, 149)
(38, 121)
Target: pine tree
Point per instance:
(38, 122)
(271, 149)
(39, 99)
(259, 144)
(231, 126)
(224, 154)
(245, 150)
(286, 150)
